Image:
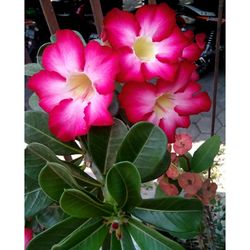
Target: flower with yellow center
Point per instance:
(76, 86)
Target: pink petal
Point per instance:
(138, 100)
(156, 68)
(28, 235)
(101, 67)
(50, 87)
(189, 34)
(156, 21)
(198, 103)
(130, 66)
(121, 28)
(67, 120)
(170, 49)
(201, 40)
(182, 78)
(66, 55)
(171, 121)
(97, 113)
(192, 52)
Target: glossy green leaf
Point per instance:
(35, 201)
(50, 216)
(89, 235)
(126, 240)
(54, 178)
(32, 68)
(104, 142)
(47, 155)
(34, 103)
(36, 130)
(115, 244)
(203, 157)
(148, 238)
(183, 161)
(123, 184)
(81, 205)
(46, 239)
(179, 216)
(33, 164)
(145, 146)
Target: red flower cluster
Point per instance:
(192, 184)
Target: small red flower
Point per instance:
(207, 192)
(168, 188)
(183, 143)
(28, 235)
(172, 172)
(190, 182)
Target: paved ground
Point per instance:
(201, 124)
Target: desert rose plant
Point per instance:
(103, 121)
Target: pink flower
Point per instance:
(193, 51)
(28, 235)
(167, 104)
(168, 188)
(190, 182)
(207, 192)
(183, 143)
(172, 172)
(76, 85)
(149, 43)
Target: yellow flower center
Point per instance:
(163, 104)
(81, 86)
(144, 48)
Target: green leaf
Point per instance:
(148, 238)
(104, 142)
(33, 164)
(54, 178)
(36, 130)
(182, 161)
(89, 235)
(145, 146)
(34, 103)
(35, 201)
(123, 183)
(81, 205)
(203, 157)
(32, 68)
(179, 216)
(48, 156)
(126, 240)
(50, 216)
(115, 244)
(46, 239)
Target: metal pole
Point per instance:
(216, 68)
(50, 16)
(97, 13)
(151, 1)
